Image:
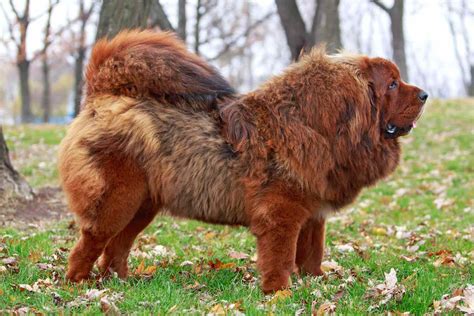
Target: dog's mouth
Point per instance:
(393, 131)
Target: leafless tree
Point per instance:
(325, 26)
(46, 97)
(21, 25)
(80, 52)
(395, 12)
(182, 20)
(461, 35)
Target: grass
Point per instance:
(425, 212)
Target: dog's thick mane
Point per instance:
(146, 64)
(331, 126)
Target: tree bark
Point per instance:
(78, 78)
(23, 63)
(398, 36)
(325, 27)
(197, 27)
(80, 57)
(293, 24)
(182, 19)
(159, 18)
(46, 98)
(12, 185)
(24, 75)
(116, 15)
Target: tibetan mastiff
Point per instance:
(162, 131)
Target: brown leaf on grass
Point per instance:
(330, 266)
(386, 291)
(219, 265)
(209, 235)
(280, 295)
(196, 286)
(11, 264)
(324, 309)
(409, 259)
(45, 266)
(238, 255)
(249, 278)
(461, 299)
(217, 310)
(28, 288)
(108, 307)
(143, 270)
(35, 256)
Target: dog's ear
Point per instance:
(240, 130)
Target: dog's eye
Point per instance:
(393, 85)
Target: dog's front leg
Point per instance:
(276, 224)
(310, 249)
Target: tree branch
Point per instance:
(293, 24)
(17, 15)
(10, 27)
(246, 33)
(381, 5)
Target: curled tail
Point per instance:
(144, 64)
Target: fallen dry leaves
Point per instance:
(461, 299)
(386, 291)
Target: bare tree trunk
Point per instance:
(12, 185)
(197, 27)
(78, 78)
(24, 74)
(293, 24)
(23, 64)
(116, 15)
(182, 19)
(159, 18)
(326, 25)
(46, 98)
(80, 57)
(398, 36)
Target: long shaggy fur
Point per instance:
(277, 159)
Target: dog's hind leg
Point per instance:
(114, 257)
(107, 213)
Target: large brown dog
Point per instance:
(161, 130)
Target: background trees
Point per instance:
(48, 41)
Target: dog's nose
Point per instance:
(423, 96)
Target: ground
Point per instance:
(406, 245)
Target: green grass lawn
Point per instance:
(419, 222)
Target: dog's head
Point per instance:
(400, 104)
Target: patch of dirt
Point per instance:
(46, 207)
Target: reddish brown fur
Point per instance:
(276, 160)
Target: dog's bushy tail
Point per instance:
(151, 64)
